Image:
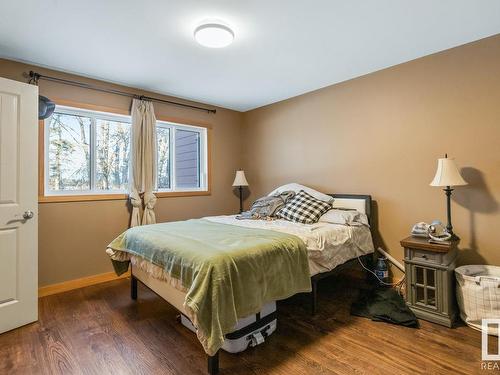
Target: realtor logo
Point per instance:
(489, 325)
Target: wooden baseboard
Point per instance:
(79, 283)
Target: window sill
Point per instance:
(165, 194)
(81, 198)
(113, 197)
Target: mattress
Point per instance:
(328, 245)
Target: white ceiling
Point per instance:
(281, 49)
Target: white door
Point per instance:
(18, 204)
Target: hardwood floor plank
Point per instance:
(99, 330)
(58, 355)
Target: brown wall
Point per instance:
(381, 134)
(73, 236)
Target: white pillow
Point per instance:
(344, 217)
(298, 187)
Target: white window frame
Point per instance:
(173, 126)
(93, 115)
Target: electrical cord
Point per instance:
(398, 284)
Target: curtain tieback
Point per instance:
(135, 200)
(150, 200)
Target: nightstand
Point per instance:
(430, 279)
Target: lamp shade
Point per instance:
(240, 179)
(447, 174)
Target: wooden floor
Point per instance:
(99, 330)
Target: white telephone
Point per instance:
(420, 230)
(436, 231)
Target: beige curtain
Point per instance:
(143, 162)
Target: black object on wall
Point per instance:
(45, 107)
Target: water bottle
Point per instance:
(381, 270)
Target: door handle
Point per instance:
(28, 215)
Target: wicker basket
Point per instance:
(478, 294)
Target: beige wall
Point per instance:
(381, 134)
(73, 236)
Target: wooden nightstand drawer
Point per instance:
(424, 256)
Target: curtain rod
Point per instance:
(35, 77)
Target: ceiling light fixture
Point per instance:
(214, 35)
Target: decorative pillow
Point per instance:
(303, 208)
(344, 217)
(298, 187)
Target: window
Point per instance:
(87, 153)
(182, 157)
(69, 152)
(112, 152)
(163, 140)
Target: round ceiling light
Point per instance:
(214, 35)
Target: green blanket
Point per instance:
(229, 272)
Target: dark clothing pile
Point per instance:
(385, 305)
(266, 207)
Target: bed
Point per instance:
(329, 248)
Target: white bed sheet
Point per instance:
(328, 245)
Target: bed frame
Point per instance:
(174, 297)
(363, 204)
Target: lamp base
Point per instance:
(448, 190)
(240, 188)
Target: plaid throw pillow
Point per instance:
(304, 208)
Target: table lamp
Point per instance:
(240, 181)
(447, 175)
